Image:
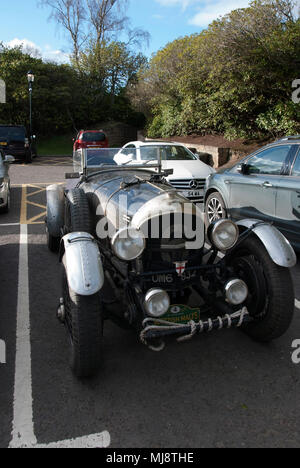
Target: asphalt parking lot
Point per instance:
(220, 390)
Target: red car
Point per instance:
(90, 139)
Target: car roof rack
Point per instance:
(290, 138)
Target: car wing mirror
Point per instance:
(243, 169)
(9, 159)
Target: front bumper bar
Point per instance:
(156, 328)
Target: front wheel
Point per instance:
(84, 321)
(28, 157)
(215, 208)
(271, 292)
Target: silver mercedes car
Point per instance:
(5, 181)
(265, 185)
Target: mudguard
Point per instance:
(278, 247)
(83, 263)
(55, 209)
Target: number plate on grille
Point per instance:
(193, 193)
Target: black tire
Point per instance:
(28, 157)
(84, 320)
(272, 296)
(78, 217)
(215, 208)
(53, 243)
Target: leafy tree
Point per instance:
(64, 99)
(234, 78)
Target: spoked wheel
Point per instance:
(84, 321)
(215, 208)
(271, 291)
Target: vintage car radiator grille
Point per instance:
(162, 253)
(190, 185)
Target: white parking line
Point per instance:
(23, 427)
(23, 433)
(93, 441)
(38, 183)
(9, 224)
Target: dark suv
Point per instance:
(15, 141)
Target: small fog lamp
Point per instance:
(157, 302)
(236, 291)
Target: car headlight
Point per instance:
(236, 291)
(223, 234)
(157, 302)
(128, 243)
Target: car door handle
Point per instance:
(267, 185)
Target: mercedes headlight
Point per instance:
(128, 243)
(157, 302)
(223, 234)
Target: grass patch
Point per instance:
(61, 145)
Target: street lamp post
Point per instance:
(30, 77)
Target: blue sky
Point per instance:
(165, 20)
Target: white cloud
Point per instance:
(46, 52)
(212, 10)
(208, 10)
(182, 3)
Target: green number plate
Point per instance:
(182, 314)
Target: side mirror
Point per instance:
(9, 159)
(243, 169)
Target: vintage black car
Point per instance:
(134, 251)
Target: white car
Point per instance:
(189, 173)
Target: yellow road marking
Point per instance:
(35, 204)
(25, 202)
(23, 212)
